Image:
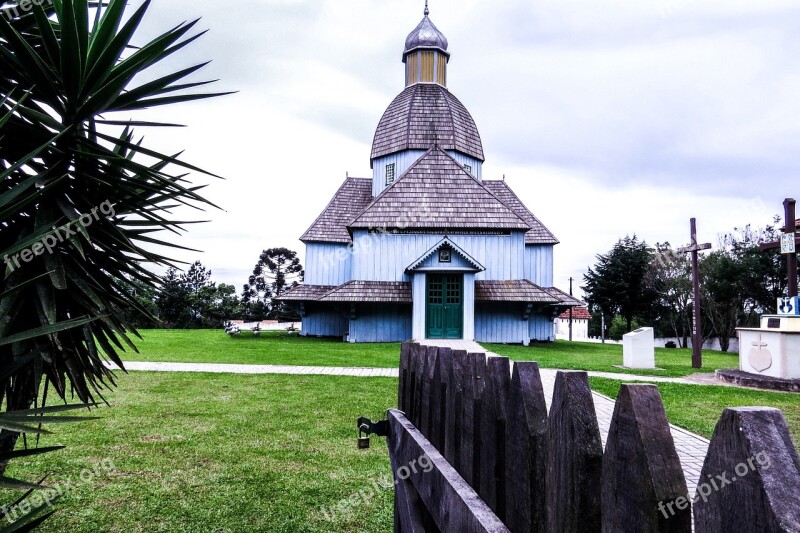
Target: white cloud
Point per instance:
(609, 117)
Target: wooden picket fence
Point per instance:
(501, 462)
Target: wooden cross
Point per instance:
(791, 258)
(697, 327)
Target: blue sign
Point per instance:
(789, 306)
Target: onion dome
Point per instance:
(426, 35)
(426, 54)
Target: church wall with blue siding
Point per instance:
(489, 227)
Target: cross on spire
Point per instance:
(427, 11)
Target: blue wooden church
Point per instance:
(427, 248)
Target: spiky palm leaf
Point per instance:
(78, 68)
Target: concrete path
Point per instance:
(214, 368)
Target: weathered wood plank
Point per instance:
(442, 389)
(429, 356)
(455, 409)
(451, 502)
(403, 392)
(751, 475)
(493, 434)
(471, 419)
(413, 387)
(526, 451)
(418, 364)
(574, 457)
(641, 468)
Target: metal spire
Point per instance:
(427, 11)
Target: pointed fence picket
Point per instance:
(499, 462)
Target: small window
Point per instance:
(468, 168)
(444, 255)
(390, 174)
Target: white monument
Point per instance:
(639, 349)
(773, 349)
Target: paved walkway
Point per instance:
(214, 368)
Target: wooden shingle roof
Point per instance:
(437, 193)
(515, 290)
(371, 291)
(538, 233)
(565, 298)
(304, 293)
(425, 114)
(331, 226)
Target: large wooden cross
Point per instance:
(791, 256)
(697, 326)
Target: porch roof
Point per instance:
(514, 290)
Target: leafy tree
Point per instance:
(173, 301)
(200, 290)
(83, 212)
(192, 300)
(670, 278)
(617, 285)
(723, 298)
(277, 270)
(620, 327)
(740, 282)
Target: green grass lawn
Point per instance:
(207, 452)
(218, 452)
(277, 348)
(269, 348)
(698, 408)
(603, 357)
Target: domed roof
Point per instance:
(423, 115)
(426, 35)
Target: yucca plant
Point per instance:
(81, 199)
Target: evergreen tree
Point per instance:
(617, 285)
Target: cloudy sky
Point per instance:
(607, 117)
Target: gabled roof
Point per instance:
(425, 114)
(437, 193)
(515, 290)
(331, 226)
(304, 293)
(457, 249)
(578, 313)
(538, 233)
(371, 291)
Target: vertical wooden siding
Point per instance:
(500, 322)
(402, 161)
(541, 328)
(322, 322)
(539, 264)
(381, 323)
(475, 165)
(384, 257)
(328, 264)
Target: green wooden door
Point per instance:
(444, 308)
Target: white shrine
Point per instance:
(774, 348)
